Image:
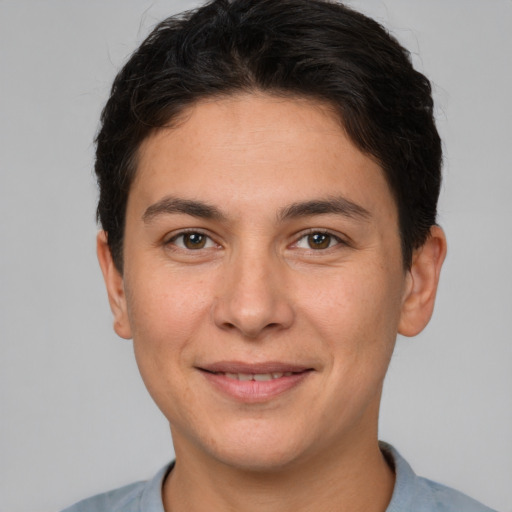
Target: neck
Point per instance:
(355, 477)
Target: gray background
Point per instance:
(75, 418)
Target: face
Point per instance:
(263, 283)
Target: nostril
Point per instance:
(251, 313)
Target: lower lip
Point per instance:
(252, 391)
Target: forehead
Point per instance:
(256, 147)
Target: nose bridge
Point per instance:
(252, 296)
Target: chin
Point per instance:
(250, 445)
(258, 459)
(261, 450)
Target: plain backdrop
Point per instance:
(75, 418)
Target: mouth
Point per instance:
(254, 383)
(258, 377)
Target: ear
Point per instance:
(420, 294)
(115, 287)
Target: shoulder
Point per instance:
(446, 499)
(422, 495)
(123, 499)
(143, 496)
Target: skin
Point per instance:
(261, 290)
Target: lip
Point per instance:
(251, 391)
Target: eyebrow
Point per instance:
(169, 205)
(333, 205)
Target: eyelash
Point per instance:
(209, 241)
(172, 241)
(332, 237)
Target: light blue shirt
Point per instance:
(411, 494)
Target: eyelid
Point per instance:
(172, 237)
(340, 239)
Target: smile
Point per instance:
(254, 383)
(260, 377)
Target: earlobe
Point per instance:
(115, 287)
(423, 278)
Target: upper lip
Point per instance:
(253, 368)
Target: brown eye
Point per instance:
(319, 240)
(194, 240)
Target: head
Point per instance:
(293, 49)
(269, 173)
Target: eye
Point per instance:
(317, 240)
(192, 240)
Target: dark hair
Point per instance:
(305, 48)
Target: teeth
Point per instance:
(259, 377)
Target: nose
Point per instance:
(253, 298)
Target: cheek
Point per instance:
(162, 305)
(165, 313)
(350, 299)
(356, 314)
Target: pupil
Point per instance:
(194, 241)
(319, 241)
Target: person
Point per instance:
(269, 174)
